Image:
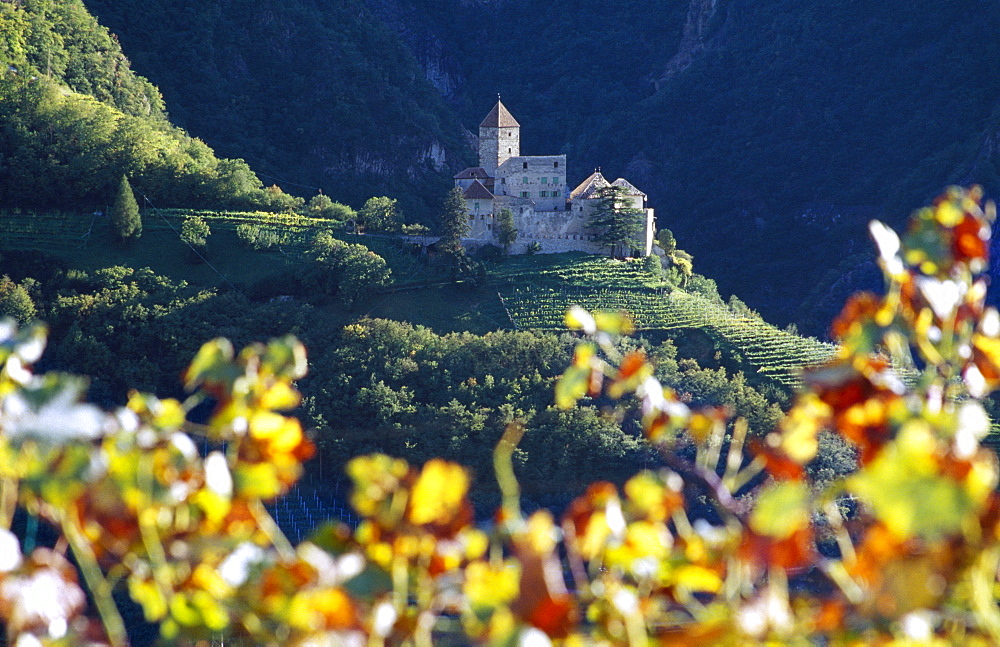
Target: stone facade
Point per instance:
(534, 188)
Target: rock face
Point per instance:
(422, 36)
(695, 40)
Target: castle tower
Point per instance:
(499, 138)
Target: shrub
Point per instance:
(256, 237)
(195, 233)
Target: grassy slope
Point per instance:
(520, 292)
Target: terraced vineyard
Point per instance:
(575, 269)
(773, 352)
(46, 230)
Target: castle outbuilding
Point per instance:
(534, 188)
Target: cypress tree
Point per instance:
(454, 224)
(125, 213)
(506, 231)
(615, 222)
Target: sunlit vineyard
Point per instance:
(773, 352)
(576, 268)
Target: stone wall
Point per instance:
(554, 231)
(482, 220)
(534, 175)
(497, 145)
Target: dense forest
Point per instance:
(756, 130)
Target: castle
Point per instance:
(547, 215)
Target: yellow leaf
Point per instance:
(615, 323)
(438, 493)
(571, 386)
(280, 396)
(579, 319)
(487, 586)
(697, 579)
(800, 428)
(781, 509)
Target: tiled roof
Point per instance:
(499, 117)
(589, 186)
(628, 186)
(473, 173)
(477, 191)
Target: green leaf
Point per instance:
(211, 364)
(906, 491)
(572, 385)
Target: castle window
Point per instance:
(555, 180)
(525, 164)
(524, 180)
(509, 150)
(472, 218)
(503, 180)
(475, 205)
(543, 194)
(545, 180)
(555, 164)
(525, 194)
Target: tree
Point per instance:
(615, 222)
(454, 224)
(125, 213)
(379, 214)
(321, 206)
(506, 232)
(681, 263)
(15, 301)
(195, 233)
(347, 269)
(665, 239)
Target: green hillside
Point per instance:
(74, 119)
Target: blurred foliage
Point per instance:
(720, 546)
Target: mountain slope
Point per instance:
(74, 119)
(318, 93)
(764, 134)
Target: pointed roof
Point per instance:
(628, 186)
(499, 117)
(477, 191)
(473, 173)
(589, 186)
